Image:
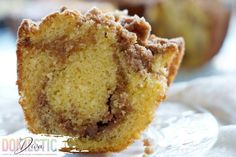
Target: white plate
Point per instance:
(177, 131)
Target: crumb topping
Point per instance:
(133, 34)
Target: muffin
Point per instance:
(203, 24)
(95, 77)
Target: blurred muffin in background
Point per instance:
(202, 23)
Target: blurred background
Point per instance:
(208, 26)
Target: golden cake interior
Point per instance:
(95, 77)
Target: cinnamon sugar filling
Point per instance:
(118, 107)
(117, 101)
